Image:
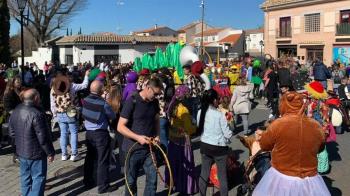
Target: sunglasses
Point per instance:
(154, 93)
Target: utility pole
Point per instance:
(202, 37)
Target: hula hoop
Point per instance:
(171, 183)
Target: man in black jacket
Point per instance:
(33, 143)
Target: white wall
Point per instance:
(83, 53)
(39, 57)
(127, 53)
(254, 44)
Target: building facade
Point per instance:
(227, 43)
(188, 32)
(157, 31)
(95, 49)
(254, 41)
(308, 29)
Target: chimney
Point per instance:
(155, 26)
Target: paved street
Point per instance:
(65, 178)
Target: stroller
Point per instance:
(255, 169)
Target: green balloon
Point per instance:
(137, 64)
(256, 63)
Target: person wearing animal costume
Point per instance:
(319, 110)
(233, 76)
(180, 151)
(131, 85)
(294, 141)
(62, 98)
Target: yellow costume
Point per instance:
(181, 124)
(233, 75)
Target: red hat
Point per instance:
(101, 76)
(145, 72)
(316, 90)
(197, 68)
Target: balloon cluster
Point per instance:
(170, 58)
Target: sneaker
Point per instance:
(64, 158)
(75, 157)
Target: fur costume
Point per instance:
(294, 141)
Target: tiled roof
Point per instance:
(188, 26)
(277, 4)
(232, 39)
(254, 31)
(106, 39)
(210, 32)
(269, 3)
(151, 29)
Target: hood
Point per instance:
(291, 103)
(244, 89)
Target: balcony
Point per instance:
(284, 34)
(343, 29)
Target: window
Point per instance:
(69, 59)
(213, 38)
(285, 27)
(345, 16)
(312, 23)
(205, 39)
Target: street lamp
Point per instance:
(21, 6)
(248, 43)
(261, 46)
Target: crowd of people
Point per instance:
(120, 108)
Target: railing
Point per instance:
(285, 33)
(343, 29)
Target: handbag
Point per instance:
(323, 163)
(72, 111)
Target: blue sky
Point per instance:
(123, 16)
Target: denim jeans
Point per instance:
(195, 104)
(164, 131)
(68, 125)
(324, 84)
(141, 158)
(33, 176)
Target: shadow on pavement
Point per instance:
(333, 151)
(333, 190)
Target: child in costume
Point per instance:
(318, 110)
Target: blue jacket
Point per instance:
(96, 113)
(321, 73)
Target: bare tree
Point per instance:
(29, 42)
(45, 17)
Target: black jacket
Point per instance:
(29, 127)
(284, 78)
(342, 93)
